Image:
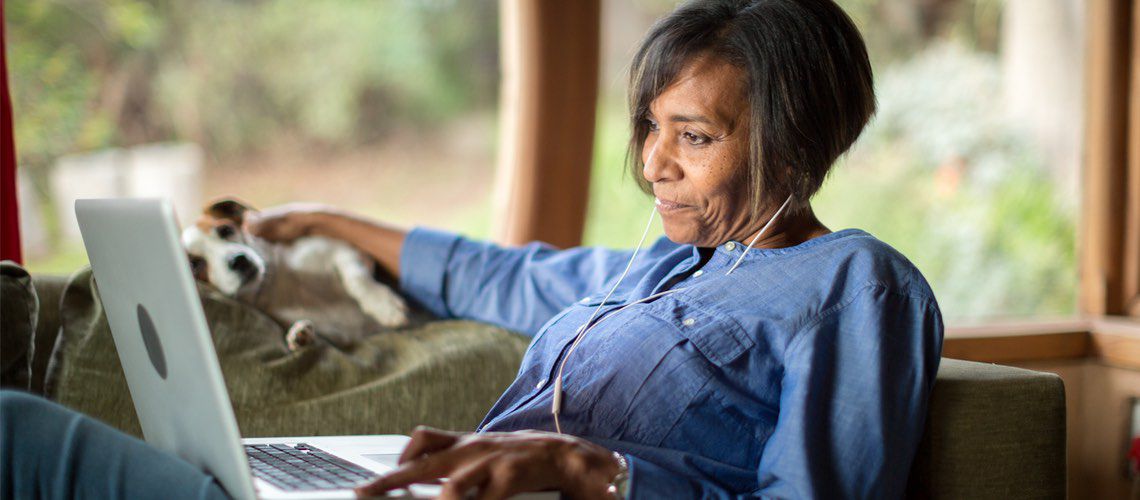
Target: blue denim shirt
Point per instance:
(804, 373)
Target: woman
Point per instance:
(751, 352)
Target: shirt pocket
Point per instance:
(703, 343)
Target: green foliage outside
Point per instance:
(940, 176)
(236, 77)
(239, 78)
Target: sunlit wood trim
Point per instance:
(1130, 185)
(1116, 341)
(1105, 140)
(1019, 328)
(1011, 348)
(1113, 340)
(1117, 325)
(1116, 350)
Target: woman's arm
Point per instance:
(853, 399)
(517, 288)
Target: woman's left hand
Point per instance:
(498, 465)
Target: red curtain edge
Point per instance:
(10, 248)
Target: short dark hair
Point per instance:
(809, 84)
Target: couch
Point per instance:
(992, 431)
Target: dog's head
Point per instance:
(221, 252)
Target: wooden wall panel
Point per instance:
(1098, 400)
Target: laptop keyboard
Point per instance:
(303, 467)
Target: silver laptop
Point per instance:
(173, 374)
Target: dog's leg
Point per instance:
(376, 300)
(301, 334)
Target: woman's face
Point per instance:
(696, 155)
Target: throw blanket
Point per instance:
(440, 373)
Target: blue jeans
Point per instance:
(48, 451)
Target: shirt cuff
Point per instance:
(423, 267)
(647, 480)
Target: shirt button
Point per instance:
(698, 273)
(730, 246)
(585, 300)
(689, 322)
(540, 384)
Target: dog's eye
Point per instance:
(224, 232)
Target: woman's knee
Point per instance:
(24, 415)
(14, 404)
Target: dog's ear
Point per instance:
(229, 209)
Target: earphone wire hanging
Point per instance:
(556, 403)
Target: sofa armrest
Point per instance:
(992, 432)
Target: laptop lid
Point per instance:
(160, 333)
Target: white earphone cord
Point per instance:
(758, 235)
(556, 403)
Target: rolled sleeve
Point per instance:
(423, 267)
(517, 288)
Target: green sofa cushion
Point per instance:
(445, 374)
(19, 310)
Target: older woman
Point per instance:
(750, 352)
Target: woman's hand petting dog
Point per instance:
(285, 223)
(498, 465)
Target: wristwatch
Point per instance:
(619, 486)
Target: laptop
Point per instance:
(172, 370)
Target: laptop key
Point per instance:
(304, 467)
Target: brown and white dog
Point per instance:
(314, 286)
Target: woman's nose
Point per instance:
(660, 164)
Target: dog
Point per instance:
(315, 287)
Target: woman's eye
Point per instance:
(652, 125)
(695, 139)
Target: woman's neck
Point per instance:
(790, 230)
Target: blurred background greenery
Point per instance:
(390, 108)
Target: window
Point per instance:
(357, 104)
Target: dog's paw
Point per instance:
(301, 334)
(388, 313)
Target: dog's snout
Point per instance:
(242, 264)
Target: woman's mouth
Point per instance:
(669, 206)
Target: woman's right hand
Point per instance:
(285, 223)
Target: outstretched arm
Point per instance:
(518, 288)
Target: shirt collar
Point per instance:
(727, 253)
